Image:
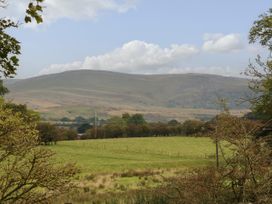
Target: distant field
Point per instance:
(117, 155)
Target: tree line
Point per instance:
(136, 126)
(117, 127)
(132, 126)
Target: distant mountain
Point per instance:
(158, 96)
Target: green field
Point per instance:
(124, 164)
(118, 155)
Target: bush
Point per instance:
(243, 177)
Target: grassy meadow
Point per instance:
(124, 164)
(117, 155)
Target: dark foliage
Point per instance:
(136, 126)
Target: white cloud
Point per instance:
(217, 42)
(133, 57)
(219, 70)
(55, 68)
(139, 57)
(71, 9)
(84, 9)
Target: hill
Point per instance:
(158, 96)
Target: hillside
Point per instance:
(158, 96)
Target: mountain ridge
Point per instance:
(106, 91)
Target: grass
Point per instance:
(118, 155)
(111, 168)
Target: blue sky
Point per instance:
(139, 36)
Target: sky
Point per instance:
(138, 36)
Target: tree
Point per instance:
(10, 48)
(66, 134)
(136, 119)
(173, 122)
(261, 70)
(126, 117)
(248, 169)
(191, 127)
(244, 176)
(28, 115)
(48, 133)
(262, 30)
(28, 173)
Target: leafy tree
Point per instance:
(115, 131)
(126, 116)
(115, 120)
(248, 169)
(191, 127)
(137, 130)
(136, 119)
(48, 133)
(243, 177)
(10, 48)
(173, 122)
(100, 133)
(66, 134)
(262, 30)
(27, 171)
(261, 70)
(159, 129)
(28, 115)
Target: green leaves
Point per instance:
(28, 173)
(10, 48)
(261, 70)
(9, 51)
(27, 19)
(262, 30)
(33, 12)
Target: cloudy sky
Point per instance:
(138, 36)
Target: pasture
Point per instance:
(123, 154)
(124, 164)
